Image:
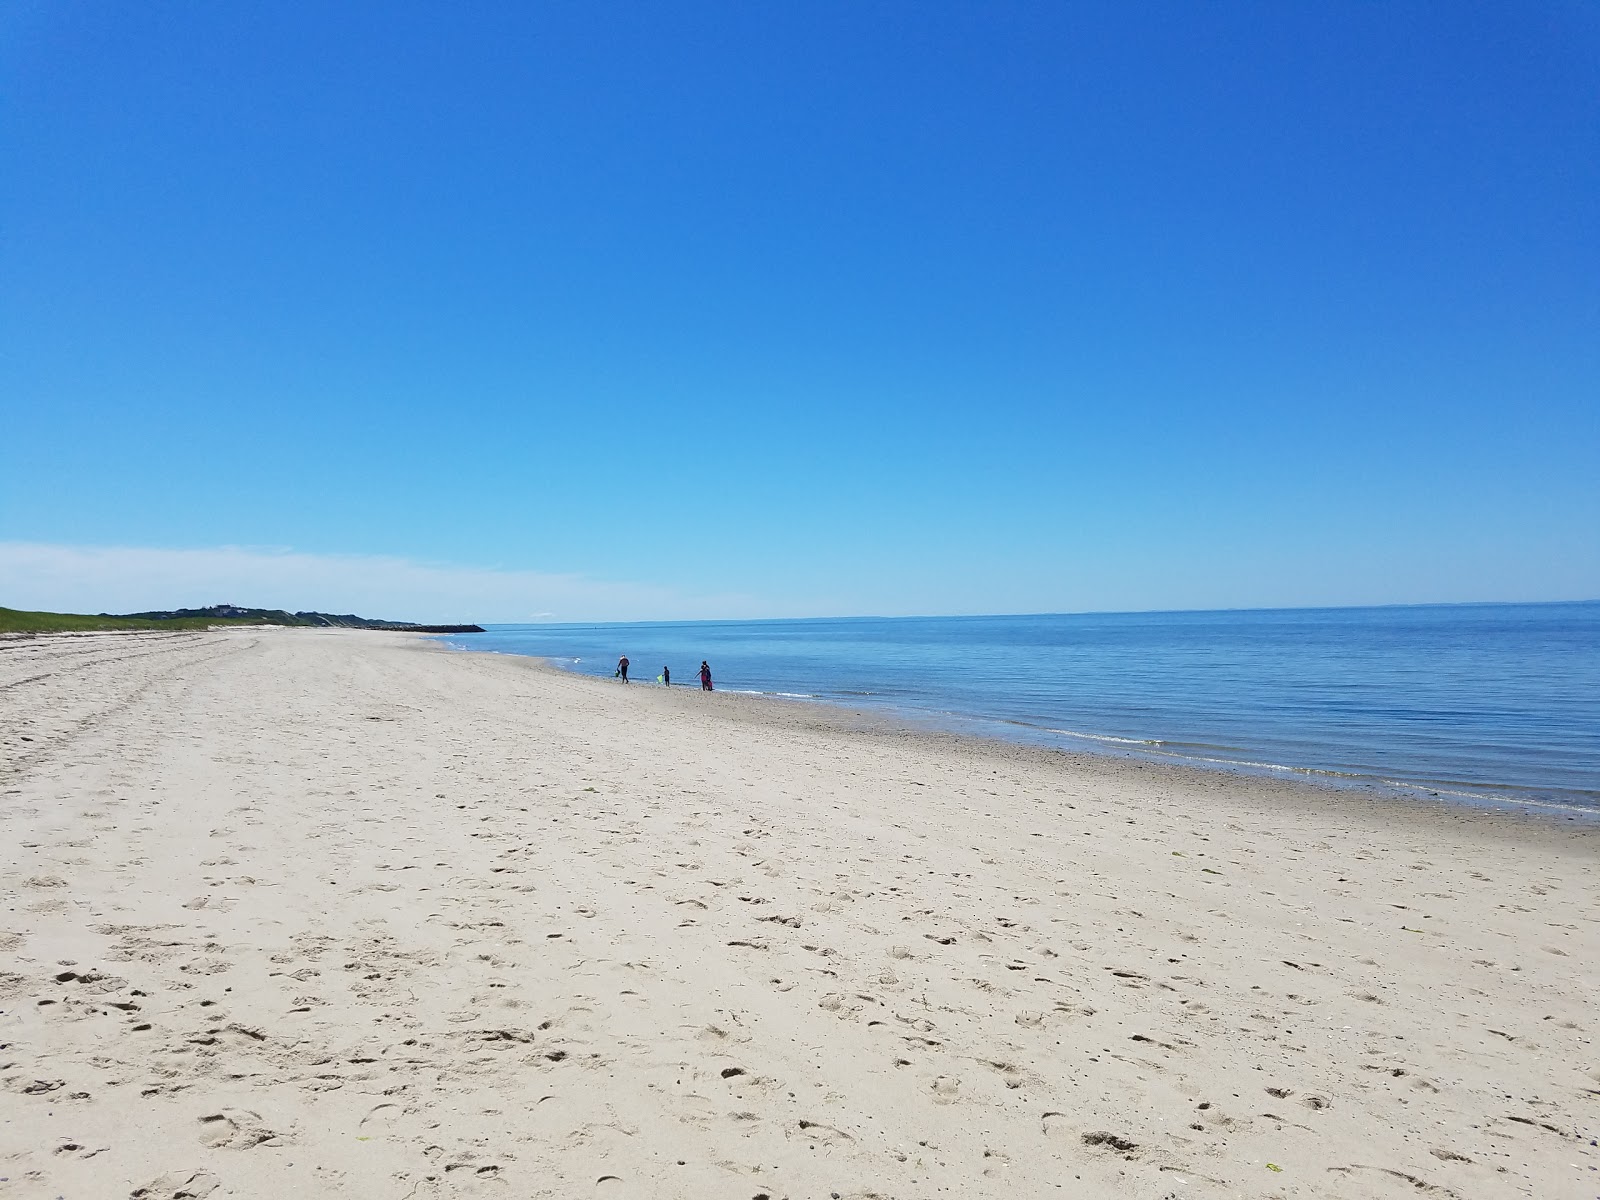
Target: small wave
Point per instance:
(1162, 749)
(1272, 766)
(1104, 737)
(1506, 799)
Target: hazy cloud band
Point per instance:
(116, 579)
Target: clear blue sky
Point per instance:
(777, 309)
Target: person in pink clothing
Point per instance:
(705, 676)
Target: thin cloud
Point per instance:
(114, 579)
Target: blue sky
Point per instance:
(676, 310)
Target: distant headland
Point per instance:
(14, 621)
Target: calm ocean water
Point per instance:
(1493, 701)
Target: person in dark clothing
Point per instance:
(622, 668)
(705, 676)
(666, 676)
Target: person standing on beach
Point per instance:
(705, 676)
(666, 676)
(622, 668)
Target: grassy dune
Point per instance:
(14, 621)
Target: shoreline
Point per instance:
(334, 913)
(1492, 703)
(915, 721)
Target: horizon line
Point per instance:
(1128, 612)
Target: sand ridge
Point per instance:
(345, 913)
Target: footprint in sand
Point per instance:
(178, 1185)
(945, 1089)
(79, 1150)
(692, 1108)
(1013, 1075)
(825, 1134)
(381, 1120)
(469, 1166)
(1114, 1141)
(235, 1129)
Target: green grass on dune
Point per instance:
(13, 621)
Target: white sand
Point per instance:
(299, 913)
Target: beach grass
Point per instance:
(15, 621)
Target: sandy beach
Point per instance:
(307, 913)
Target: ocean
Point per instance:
(1482, 702)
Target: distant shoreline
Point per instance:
(15, 621)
